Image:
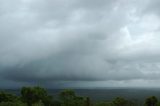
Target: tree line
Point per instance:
(38, 96)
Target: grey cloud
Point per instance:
(58, 41)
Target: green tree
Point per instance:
(47, 100)
(67, 98)
(31, 95)
(56, 103)
(88, 102)
(81, 101)
(104, 104)
(151, 101)
(12, 104)
(7, 97)
(119, 101)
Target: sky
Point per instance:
(80, 43)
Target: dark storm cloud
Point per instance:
(108, 42)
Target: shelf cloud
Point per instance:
(82, 43)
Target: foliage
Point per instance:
(69, 98)
(38, 104)
(151, 101)
(56, 103)
(37, 96)
(32, 95)
(47, 100)
(119, 101)
(7, 97)
(104, 104)
(12, 104)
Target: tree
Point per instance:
(56, 103)
(88, 101)
(151, 101)
(7, 97)
(12, 104)
(119, 101)
(81, 101)
(104, 104)
(32, 95)
(47, 100)
(67, 98)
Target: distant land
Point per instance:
(107, 94)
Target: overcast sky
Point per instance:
(80, 43)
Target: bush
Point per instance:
(7, 97)
(69, 98)
(119, 101)
(151, 101)
(12, 104)
(32, 95)
(104, 104)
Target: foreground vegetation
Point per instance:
(37, 96)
